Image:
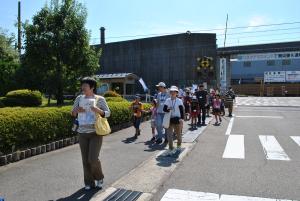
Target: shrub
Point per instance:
(111, 94)
(23, 97)
(27, 127)
(115, 99)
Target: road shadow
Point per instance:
(152, 146)
(129, 140)
(167, 161)
(80, 195)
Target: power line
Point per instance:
(206, 30)
(262, 31)
(264, 35)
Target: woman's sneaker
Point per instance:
(153, 139)
(99, 183)
(87, 187)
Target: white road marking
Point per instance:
(272, 148)
(271, 117)
(182, 195)
(235, 147)
(296, 139)
(228, 131)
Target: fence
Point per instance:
(286, 89)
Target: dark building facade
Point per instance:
(172, 58)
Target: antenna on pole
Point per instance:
(226, 30)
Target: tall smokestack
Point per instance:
(102, 35)
(19, 28)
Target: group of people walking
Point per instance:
(168, 112)
(194, 106)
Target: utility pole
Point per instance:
(226, 31)
(19, 28)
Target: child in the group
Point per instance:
(194, 112)
(153, 110)
(174, 105)
(137, 108)
(217, 102)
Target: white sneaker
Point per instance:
(87, 187)
(99, 183)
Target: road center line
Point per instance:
(272, 148)
(228, 131)
(271, 117)
(235, 147)
(296, 139)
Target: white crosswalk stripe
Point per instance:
(268, 101)
(296, 139)
(185, 195)
(272, 150)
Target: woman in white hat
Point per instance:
(174, 105)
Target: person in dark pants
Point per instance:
(229, 97)
(202, 97)
(85, 108)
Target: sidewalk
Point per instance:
(58, 175)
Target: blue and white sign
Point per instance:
(292, 76)
(274, 76)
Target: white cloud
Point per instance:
(257, 21)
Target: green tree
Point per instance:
(9, 62)
(57, 50)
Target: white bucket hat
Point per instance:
(174, 88)
(161, 84)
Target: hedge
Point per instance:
(23, 97)
(111, 94)
(28, 127)
(115, 99)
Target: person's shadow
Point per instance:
(129, 140)
(152, 146)
(81, 195)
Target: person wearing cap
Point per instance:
(137, 109)
(162, 96)
(202, 97)
(174, 105)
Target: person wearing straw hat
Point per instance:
(174, 105)
(162, 96)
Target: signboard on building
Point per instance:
(274, 76)
(223, 81)
(292, 76)
(268, 56)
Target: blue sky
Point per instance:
(140, 17)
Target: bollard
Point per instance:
(16, 156)
(61, 143)
(48, 147)
(43, 149)
(52, 146)
(38, 150)
(22, 155)
(3, 160)
(33, 151)
(27, 153)
(56, 144)
(9, 158)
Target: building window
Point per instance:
(247, 63)
(286, 62)
(271, 62)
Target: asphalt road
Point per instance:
(206, 170)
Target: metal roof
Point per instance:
(116, 75)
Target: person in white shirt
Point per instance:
(174, 105)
